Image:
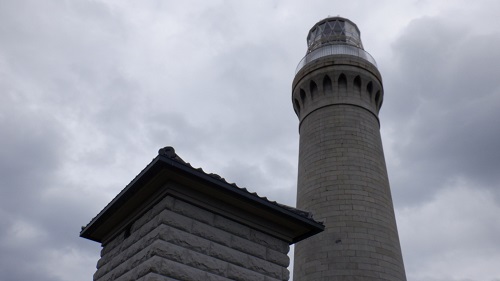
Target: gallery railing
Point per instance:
(329, 50)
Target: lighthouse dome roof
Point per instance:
(334, 30)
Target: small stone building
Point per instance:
(175, 222)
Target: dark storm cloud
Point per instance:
(441, 116)
(230, 112)
(91, 90)
(33, 220)
(28, 162)
(447, 95)
(54, 63)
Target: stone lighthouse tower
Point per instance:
(342, 178)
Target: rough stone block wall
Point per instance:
(348, 189)
(175, 240)
(342, 176)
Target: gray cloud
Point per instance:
(447, 97)
(92, 89)
(441, 123)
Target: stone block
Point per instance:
(264, 267)
(211, 233)
(180, 271)
(175, 220)
(186, 240)
(155, 277)
(232, 227)
(228, 254)
(242, 274)
(248, 247)
(277, 257)
(165, 204)
(269, 241)
(193, 212)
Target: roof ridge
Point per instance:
(169, 152)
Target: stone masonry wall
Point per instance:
(175, 240)
(342, 176)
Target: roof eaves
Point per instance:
(168, 156)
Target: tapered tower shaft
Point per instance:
(342, 178)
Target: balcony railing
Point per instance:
(329, 50)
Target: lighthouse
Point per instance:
(337, 94)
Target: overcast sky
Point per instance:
(91, 89)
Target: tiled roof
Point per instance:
(167, 154)
(170, 153)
